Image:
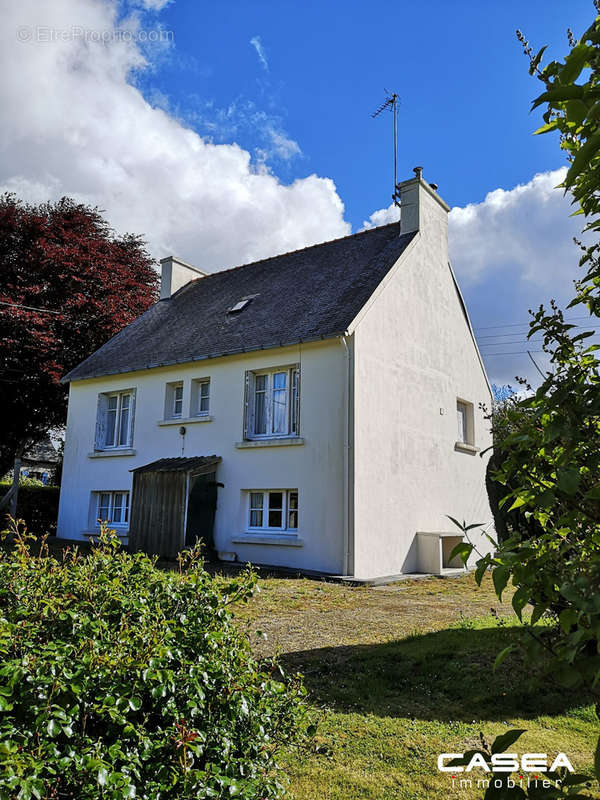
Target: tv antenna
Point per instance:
(391, 101)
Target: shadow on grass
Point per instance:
(445, 675)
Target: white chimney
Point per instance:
(420, 204)
(175, 273)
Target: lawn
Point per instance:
(398, 674)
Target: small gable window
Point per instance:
(465, 419)
(272, 406)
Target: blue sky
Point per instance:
(458, 68)
(247, 131)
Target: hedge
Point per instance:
(120, 680)
(37, 506)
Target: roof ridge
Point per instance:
(289, 253)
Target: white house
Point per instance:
(318, 410)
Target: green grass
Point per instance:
(399, 674)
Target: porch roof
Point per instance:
(179, 464)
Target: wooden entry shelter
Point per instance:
(166, 495)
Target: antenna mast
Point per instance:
(391, 101)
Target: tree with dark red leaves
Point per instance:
(68, 284)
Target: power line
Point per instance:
(516, 324)
(516, 353)
(519, 336)
(535, 364)
(29, 308)
(524, 344)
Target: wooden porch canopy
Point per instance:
(159, 507)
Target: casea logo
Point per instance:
(505, 762)
(528, 767)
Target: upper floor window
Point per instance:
(114, 423)
(200, 397)
(174, 400)
(272, 402)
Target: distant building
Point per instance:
(40, 461)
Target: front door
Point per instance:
(202, 504)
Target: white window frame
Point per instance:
(285, 511)
(100, 518)
(292, 402)
(171, 399)
(116, 443)
(465, 422)
(197, 386)
(177, 400)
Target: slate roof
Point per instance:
(178, 464)
(306, 295)
(43, 451)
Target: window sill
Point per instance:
(282, 539)
(282, 441)
(184, 420)
(122, 533)
(463, 447)
(125, 451)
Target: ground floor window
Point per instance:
(112, 507)
(273, 510)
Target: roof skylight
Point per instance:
(239, 306)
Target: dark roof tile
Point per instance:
(309, 294)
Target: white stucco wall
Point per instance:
(315, 468)
(409, 356)
(414, 356)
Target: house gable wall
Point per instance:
(414, 357)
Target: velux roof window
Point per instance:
(241, 304)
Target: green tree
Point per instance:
(550, 441)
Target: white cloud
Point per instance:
(512, 251)
(515, 251)
(75, 124)
(257, 44)
(527, 231)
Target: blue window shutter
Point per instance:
(100, 435)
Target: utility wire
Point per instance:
(535, 364)
(516, 353)
(516, 336)
(29, 308)
(515, 324)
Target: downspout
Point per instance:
(347, 460)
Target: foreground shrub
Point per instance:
(120, 680)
